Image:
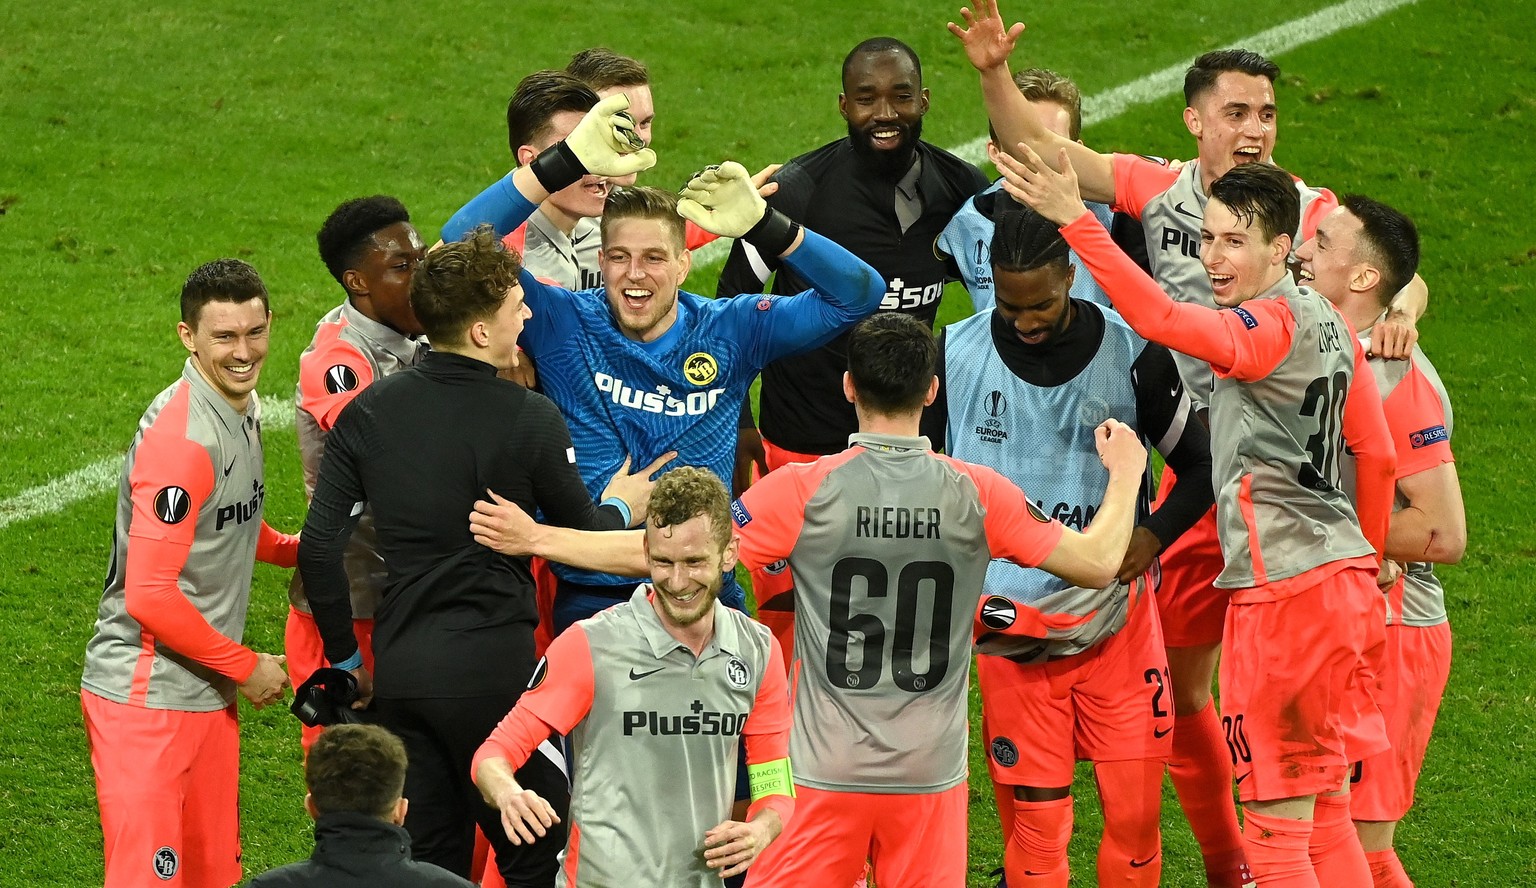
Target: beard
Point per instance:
(893, 164)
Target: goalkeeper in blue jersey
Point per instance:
(641, 367)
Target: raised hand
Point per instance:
(987, 44)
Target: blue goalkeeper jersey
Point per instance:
(684, 390)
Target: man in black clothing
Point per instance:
(453, 636)
(884, 195)
(355, 774)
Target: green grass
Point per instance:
(143, 140)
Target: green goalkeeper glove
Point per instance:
(604, 143)
(722, 200)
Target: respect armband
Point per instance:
(771, 778)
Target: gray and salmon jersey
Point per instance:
(571, 261)
(1171, 205)
(1277, 448)
(350, 351)
(655, 734)
(888, 545)
(193, 474)
(1042, 439)
(1419, 417)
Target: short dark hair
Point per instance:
(349, 230)
(1390, 240)
(357, 769)
(1202, 75)
(537, 99)
(876, 45)
(645, 202)
(222, 280)
(1045, 85)
(1023, 240)
(685, 493)
(463, 282)
(600, 68)
(891, 358)
(1263, 192)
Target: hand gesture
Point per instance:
(1119, 448)
(525, 815)
(760, 179)
(635, 490)
(502, 526)
(1139, 555)
(364, 687)
(986, 43)
(732, 846)
(1032, 182)
(266, 683)
(606, 143)
(722, 200)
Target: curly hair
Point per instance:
(350, 228)
(688, 492)
(358, 769)
(463, 282)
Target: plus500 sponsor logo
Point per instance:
(661, 400)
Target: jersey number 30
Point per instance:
(920, 582)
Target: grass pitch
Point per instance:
(140, 141)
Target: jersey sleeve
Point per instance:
(1166, 417)
(767, 729)
(278, 548)
(770, 515)
(844, 289)
(1233, 342)
(1315, 204)
(558, 698)
(333, 514)
(1138, 181)
(329, 378)
(554, 315)
(168, 468)
(1365, 431)
(1016, 529)
(1418, 424)
(501, 205)
(695, 237)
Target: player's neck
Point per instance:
(563, 221)
(1362, 310)
(906, 425)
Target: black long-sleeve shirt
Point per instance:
(1165, 415)
(419, 447)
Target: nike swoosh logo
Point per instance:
(229, 468)
(1244, 777)
(1138, 864)
(636, 675)
(1161, 734)
(1179, 208)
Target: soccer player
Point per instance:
(642, 367)
(370, 247)
(1232, 115)
(454, 631)
(356, 776)
(885, 195)
(1305, 622)
(1362, 252)
(967, 239)
(1049, 368)
(657, 694)
(163, 666)
(887, 544)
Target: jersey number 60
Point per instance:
(939, 580)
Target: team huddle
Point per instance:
(533, 471)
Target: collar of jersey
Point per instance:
(662, 643)
(228, 415)
(889, 443)
(403, 348)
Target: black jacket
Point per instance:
(358, 851)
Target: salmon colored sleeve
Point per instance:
(171, 480)
(276, 547)
(1138, 181)
(1416, 419)
(1325, 203)
(330, 377)
(770, 514)
(695, 237)
(1365, 430)
(557, 699)
(1016, 529)
(766, 733)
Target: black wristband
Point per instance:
(773, 234)
(556, 167)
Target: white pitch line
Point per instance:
(99, 476)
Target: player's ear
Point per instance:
(309, 807)
(184, 332)
(933, 391)
(1366, 278)
(1192, 122)
(732, 554)
(922, 105)
(525, 154)
(1280, 248)
(842, 105)
(400, 809)
(848, 386)
(353, 281)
